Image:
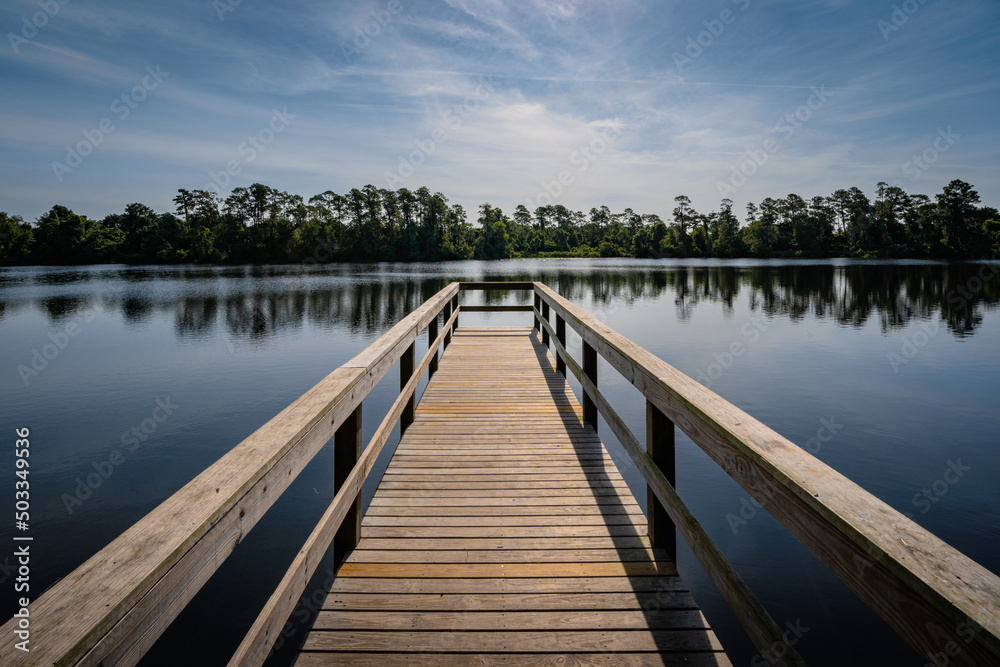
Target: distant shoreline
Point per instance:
(260, 225)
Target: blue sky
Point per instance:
(629, 102)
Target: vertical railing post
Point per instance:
(660, 447)
(405, 373)
(454, 305)
(447, 333)
(561, 337)
(590, 370)
(545, 316)
(346, 452)
(432, 334)
(538, 307)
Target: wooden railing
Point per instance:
(112, 608)
(945, 605)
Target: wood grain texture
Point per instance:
(503, 530)
(564, 602)
(622, 659)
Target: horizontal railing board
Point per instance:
(495, 309)
(498, 286)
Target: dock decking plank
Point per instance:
(502, 533)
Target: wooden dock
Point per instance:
(503, 533)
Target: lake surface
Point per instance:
(173, 366)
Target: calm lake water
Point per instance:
(901, 359)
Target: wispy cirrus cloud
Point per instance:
(557, 83)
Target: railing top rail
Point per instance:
(118, 602)
(927, 590)
(497, 285)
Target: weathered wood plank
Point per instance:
(512, 585)
(501, 569)
(563, 602)
(518, 556)
(497, 309)
(621, 659)
(514, 642)
(596, 519)
(431, 485)
(467, 619)
(550, 491)
(502, 532)
(497, 286)
(484, 543)
(540, 510)
(502, 501)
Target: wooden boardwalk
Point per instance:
(503, 533)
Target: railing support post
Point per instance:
(561, 337)
(405, 373)
(447, 334)
(432, 334)
(590, 370)
(660, 447)
(545, 332)
(347, 448)
(538, 307)
(454, 306)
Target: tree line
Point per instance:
(259, 224)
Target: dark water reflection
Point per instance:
(849, 294)
(232, 346)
